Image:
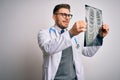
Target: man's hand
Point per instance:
(104, 30)
(78, 27)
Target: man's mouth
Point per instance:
(66, 22)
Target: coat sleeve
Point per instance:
(91, 50)
(50, 45)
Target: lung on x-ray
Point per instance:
(93, 17)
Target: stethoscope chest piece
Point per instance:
(77, 46)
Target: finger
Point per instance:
(83, 30)
(105, 27)
(82, 24)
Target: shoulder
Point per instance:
(43, 30)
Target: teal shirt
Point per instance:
(66, 69)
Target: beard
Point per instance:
(60, 24)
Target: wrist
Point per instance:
(71, 32)
(70, 35)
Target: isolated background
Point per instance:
(20, 21)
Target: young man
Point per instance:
(61, 47)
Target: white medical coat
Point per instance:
(52, 43)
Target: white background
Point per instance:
(20, 21)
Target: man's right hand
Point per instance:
(78, 27)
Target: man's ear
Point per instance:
(54, 17)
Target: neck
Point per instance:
(61, 27)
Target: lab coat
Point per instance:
(52, 43)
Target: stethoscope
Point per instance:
(75, 39)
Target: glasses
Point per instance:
(64, 15)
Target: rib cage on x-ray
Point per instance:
(94, 22)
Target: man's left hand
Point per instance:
(104, 30)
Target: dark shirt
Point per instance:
(66, 69)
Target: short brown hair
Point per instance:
(59, 6)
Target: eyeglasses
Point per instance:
(64, 15)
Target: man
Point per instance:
(61, 47)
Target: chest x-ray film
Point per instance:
(94, 22)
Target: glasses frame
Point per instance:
(64, 15)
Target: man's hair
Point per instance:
(59, 6)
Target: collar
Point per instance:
(59, 29)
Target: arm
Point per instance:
(53, 45)
(80, 26)
(90, 51)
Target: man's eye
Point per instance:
(64, 14)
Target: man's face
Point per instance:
(60, 19)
